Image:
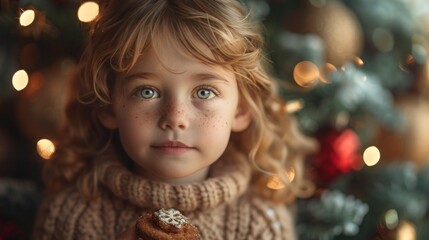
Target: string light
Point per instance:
(45, 148)
(88, 11)
(20, 80)
(371, 156)
(27, 18)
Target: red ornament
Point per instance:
(338, 155)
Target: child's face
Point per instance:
(175, 114)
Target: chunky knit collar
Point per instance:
(229, 178)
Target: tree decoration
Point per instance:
(398, 187)
(359, 70)
(334, 23)
(409, 142)
(338, 155)
(332, 215)
(395, 186)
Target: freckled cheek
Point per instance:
(214, 120)
(137, 117)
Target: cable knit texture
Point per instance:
(222, 207)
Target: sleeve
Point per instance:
(271, 221)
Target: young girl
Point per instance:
(174, 110)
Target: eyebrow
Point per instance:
(206, 76)
(203, 76)
(144, 75)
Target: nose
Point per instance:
(174, 116)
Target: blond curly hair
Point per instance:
(125, 29)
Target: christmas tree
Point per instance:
(354, 73)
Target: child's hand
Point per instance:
(129, 234)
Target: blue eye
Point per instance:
(148, 93)
(205, 93)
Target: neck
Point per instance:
(198, 176)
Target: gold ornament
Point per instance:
(335, 24)
(411, 143)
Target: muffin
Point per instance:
(165, 225)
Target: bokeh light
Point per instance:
(306, 74)
(275, 183)
(27, 18)
(88, 11)
(358, 61)
(45, 148)
(406, 231)
(371, 156)
(20, 80)
(391, 218)
(294, 105)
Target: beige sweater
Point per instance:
(221, 207)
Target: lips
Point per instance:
(174, 148)
(171, 144)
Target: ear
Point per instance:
(107, 117)
(242, 118)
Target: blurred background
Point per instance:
(354, 72)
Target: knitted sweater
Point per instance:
(222, 207)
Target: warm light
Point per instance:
(406, 231)
(88, 11)
(45, 148)
(358, 61)
(27, 18)
(391, 219)
(371, 156)
(275, 183)
(20, 80)
(306, 74)
(294, 106)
